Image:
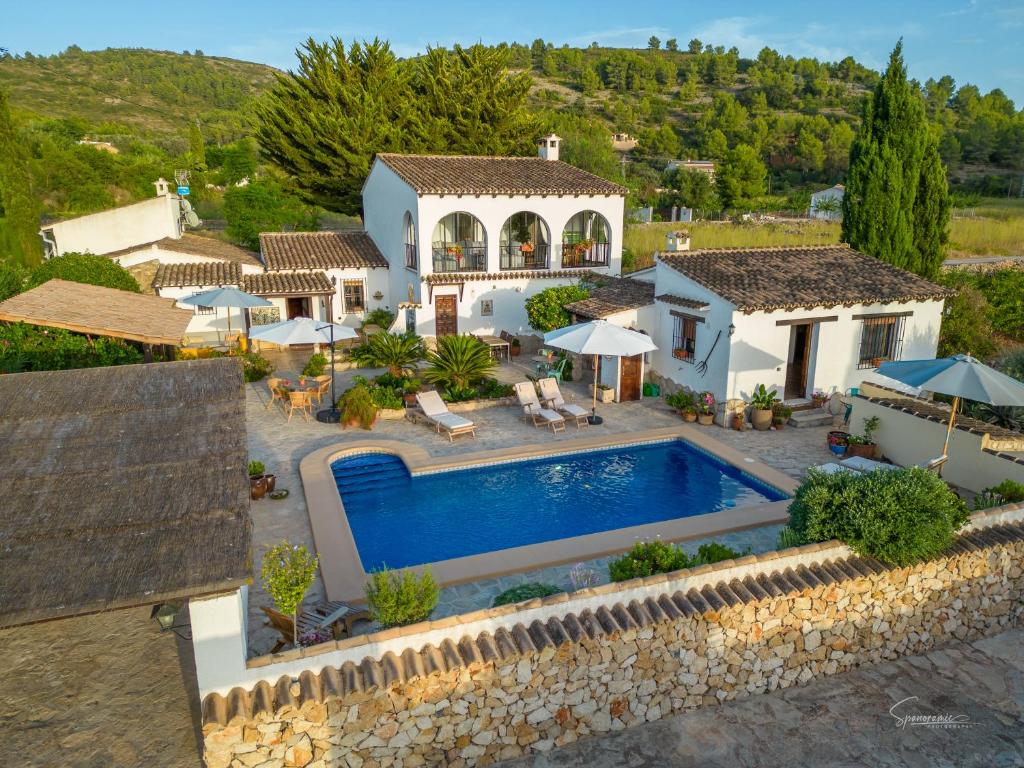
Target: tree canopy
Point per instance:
(324, 123)
(84, 268)
(19, 207)
(896, 205)
(264, 206)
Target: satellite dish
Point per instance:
(186, 206)
(192, 219)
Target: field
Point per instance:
(995, 227)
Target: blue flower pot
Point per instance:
(838, 450)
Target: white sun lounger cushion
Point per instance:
(451, 421)
(572, 409)
(547, 414)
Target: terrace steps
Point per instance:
(814, 417)
(374, 471)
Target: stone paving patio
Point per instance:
(281, 445)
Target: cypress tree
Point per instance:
(896, 205)
(20, 208)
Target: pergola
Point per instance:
(99, 311)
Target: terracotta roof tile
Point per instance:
(276, 283)
(466, 175)
(807, 276)
(613, 295)
(212, 273)
(196, 245)
(680, 301)
(320, 250)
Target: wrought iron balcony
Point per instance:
(513, 257)
(456, 258)
(597, 255)
(411, 260)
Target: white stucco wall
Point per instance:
(830, 193)
(118, 228)
(153, 252)
(206, 325)
(219, 639)
(373, 280)
(760, 347)
(386, 198)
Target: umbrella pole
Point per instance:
(949, 431)
(593, 418)
(331, 415)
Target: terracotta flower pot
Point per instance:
(859, 449)
(257, 487)
(737, 422)
(706, 419)
(779, 423)
(689, 416)
(761, 419)
(271, 482)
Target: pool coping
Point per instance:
(341, 567)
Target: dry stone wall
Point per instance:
(472, 701)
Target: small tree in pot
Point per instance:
(287, 574)
(864, 444)
(761, 404)
(781, 414)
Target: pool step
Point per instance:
(371, 472)
(816, 417)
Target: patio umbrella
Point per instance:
(599, 337)
(303, 330)
(960, 376)
(226, 297)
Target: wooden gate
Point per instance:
(629, 377)
(446, 315)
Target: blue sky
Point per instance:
(976, 41)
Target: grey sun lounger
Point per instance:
(532, 409)
(436, 412)
(551, 396)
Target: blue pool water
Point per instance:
(400, 520)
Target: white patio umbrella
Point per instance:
(599, 337)
(962, 377)
(304, 330)
(225, 297)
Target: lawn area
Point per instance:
(994, 227)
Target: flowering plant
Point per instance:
(582, 577)
(706, 403)
(315, 636)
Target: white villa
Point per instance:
(818, 203)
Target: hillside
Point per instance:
(151, 94)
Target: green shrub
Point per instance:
(13, 277)
(459, 362)
(546, 311)
(647, 558)
(398, 352)
(1007, 492)
(380, 317)
(397, 598)
(255, 366)
(713, 552)
(680, 400)
(84, 268)
(383, 396)
(357, 406)
(316, 365)
(256, 468)
(789, 538)
(32, 348)
(899, 517)
(490, 389)
(527, 591)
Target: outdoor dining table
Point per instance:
(498, 343)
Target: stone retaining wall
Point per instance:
(472, 701)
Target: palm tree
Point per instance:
(398, 352)
(458, 362)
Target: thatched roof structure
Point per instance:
(121, 486)
(99, 311)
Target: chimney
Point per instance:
(677, 241)
(162, 187)
(547, 147)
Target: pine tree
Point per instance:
(896, 205)
(21, 210)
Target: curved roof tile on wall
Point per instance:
(320, 250)
(283, 283)
(468, 175)
(219, 273)
(800, 276)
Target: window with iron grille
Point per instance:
(353, 295)
(684, 338)
(881, 339)
(205, 310)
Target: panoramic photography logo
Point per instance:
(945, 720)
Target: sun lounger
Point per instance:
(436, 412)
(551, 396)
(861, 464)
(541, 416)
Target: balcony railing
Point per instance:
(460, 259)
(514, 257)
(597, 255)
(410, 256)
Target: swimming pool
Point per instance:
(401, 520)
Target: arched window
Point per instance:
(460, 244)
(409, 230)
(586, 241)
(525, 242)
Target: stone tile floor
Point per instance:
(842, 720)
(281, 444)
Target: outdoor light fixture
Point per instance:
(164, 614)
(732, 329)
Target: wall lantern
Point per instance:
(164, 614)
(732, 329)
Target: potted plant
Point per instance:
(781, 414)
(682, 401)
(818, 398)
(737, 421)
(604, 393)
(454, 250)
(761, 404)
(515, 348)
(357, 407)
(864, 445)
(837, 442)
(260, 483)
(705, 408)
(526, 248)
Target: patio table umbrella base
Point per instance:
(329, 416)
(593, 418)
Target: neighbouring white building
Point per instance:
(468, 239)
(826, 203)
(796, 319)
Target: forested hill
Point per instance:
(152, 94)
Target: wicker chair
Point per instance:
(276, 392)
(324, 388)
(300, 401)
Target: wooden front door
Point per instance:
(446, 315)
(629, 377)
(298, 306)
(799, 358)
